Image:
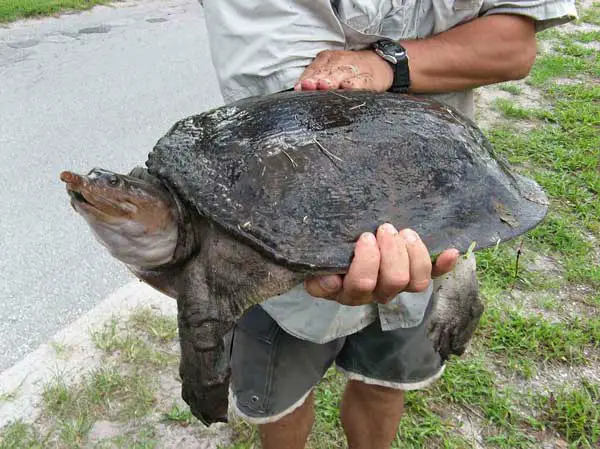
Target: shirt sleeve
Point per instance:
(546, 13)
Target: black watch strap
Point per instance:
(396, 55)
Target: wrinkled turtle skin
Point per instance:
(241, 203)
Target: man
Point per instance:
(374, 323)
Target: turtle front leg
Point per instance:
(217, 286)
(204, 366)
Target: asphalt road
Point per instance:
(91, 89)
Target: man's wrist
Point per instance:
(397, 57)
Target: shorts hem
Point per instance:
(265, 419)
(406, 386)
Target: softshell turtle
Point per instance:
(242, 202)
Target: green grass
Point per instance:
(18, 9)
(106, 392)
(21, 435)
(591, 15)
(535, 339)
(563, 155)
(137, 351)
(575, 413)
(586, 36)
(159, 327)
(510, 88)
(510, 110)
(136, 343)
(7, 397)
(179, 415)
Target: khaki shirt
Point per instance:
(263, 46)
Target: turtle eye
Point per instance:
(113, 180)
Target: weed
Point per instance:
(510, 88)
(575, 413)
(180, 415)
(510, 110)
(159, 327)
(20, 435)
(534, 338)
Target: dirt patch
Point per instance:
(489, 116)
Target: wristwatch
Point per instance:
(396, 55)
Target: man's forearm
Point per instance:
(487, 50)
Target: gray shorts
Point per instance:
(273, 372)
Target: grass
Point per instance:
(575, 413)
(535, 339)
(180, 415)
(19, 9)
(591, 15)
(510, 110)
(122, 390)
(510, 88)
(134, 345)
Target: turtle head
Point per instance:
(133, 215)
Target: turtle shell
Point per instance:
(300, 175)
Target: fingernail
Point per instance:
(389, 228)
(298, 86)
(409, 235)
(368, 238)
(328, 283)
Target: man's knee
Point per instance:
(376, 393)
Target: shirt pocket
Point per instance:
(467, 5)
(363, 16)
(402, 20)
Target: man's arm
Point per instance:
(487, 50)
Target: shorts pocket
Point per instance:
(259, 324)
(254, 350)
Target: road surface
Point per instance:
(91, 89)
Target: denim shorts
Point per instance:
(273, 372)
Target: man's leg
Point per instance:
(380, 365)
(272, 377)
(292, 430)
(370, 415)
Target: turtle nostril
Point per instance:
(113, 180)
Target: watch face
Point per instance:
(389, 58)
(390, 51)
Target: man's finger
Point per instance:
(445, 262)
(328, 76)
(334, 74)
(394, 273)
(324, 286)
(419, 259)
(361, 279)
(306, 80)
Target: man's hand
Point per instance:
(383, 266)
(337, 69)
